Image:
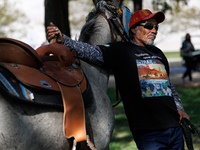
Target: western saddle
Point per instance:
(51, 67)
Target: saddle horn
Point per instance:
(62, 52)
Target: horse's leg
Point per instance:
(99, 117)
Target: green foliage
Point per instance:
(179, 17)
(168, 5)
(8, 15)
(184, 19)
(190, 18)
(78, 16)
(122, 137)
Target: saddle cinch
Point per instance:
(39, 77)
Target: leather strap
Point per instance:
(122, 35)
(74, 114)
(111, 32)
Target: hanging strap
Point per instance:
(111, 31)
(189, 128)
(74, 113)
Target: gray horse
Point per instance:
(34, 126)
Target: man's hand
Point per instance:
(183, 115)
(54, 32)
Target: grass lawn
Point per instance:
(122, 138)
(172, 54)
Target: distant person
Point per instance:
(186, 52)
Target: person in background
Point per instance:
(186, 52)
(141, 70)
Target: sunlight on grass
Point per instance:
(172, 54)
(122, 135)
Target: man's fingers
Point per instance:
(52, 32)
(51, 24)
(51, 29)
(50, 37)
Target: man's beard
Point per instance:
(148, 42)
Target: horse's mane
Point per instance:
(89, 26)
(96, 26)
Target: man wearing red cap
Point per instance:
(141, 70)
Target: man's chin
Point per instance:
(149, 43)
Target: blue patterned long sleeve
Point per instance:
(177, 100)
(85, 51)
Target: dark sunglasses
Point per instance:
(149, 25)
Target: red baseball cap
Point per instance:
(145, 14)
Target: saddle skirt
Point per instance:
(62, 76)
(26, 55)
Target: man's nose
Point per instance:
(154, 30)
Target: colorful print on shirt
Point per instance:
(153, 78)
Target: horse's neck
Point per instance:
(98, 37)
(98, 74)
(102, 32)
(99, 34)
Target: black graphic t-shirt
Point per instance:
(142, 75)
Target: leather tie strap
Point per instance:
(74, 114)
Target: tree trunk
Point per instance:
(56, 11)
(137, 5)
